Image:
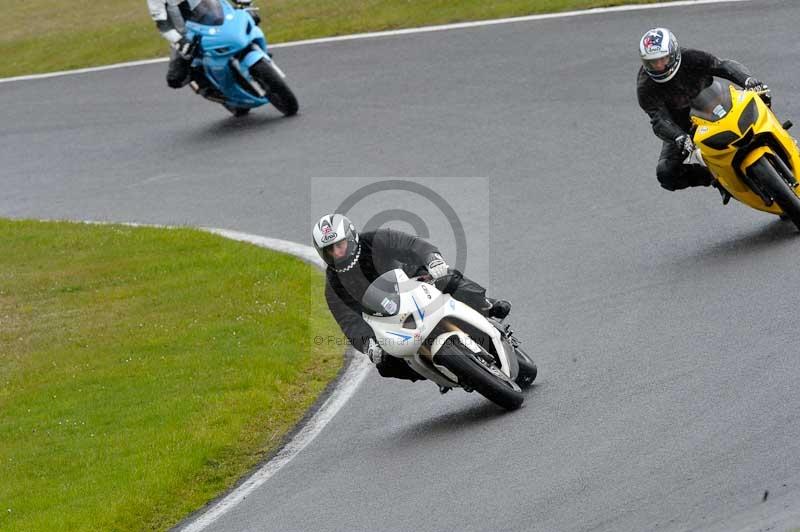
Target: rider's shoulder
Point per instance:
(694, 57)
(641, 77)
(369, 236)
(332, 281)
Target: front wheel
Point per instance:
(778, 188)
(485, 378)
(278, 92)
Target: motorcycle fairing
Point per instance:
(742, 131)
(428, 306)
(229, 51)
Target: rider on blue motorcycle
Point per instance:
(169, 16)
(355, 260)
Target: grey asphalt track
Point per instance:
(663, 323)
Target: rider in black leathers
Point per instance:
(668, 80)
(355, 260)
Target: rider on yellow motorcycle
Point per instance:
(669, 79)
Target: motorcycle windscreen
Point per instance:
(205, 12)
(713, 103)
(382, 298)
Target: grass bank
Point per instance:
(142, 371)
(50, 35)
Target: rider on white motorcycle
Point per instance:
(355, 261)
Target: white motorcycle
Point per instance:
(446, 341)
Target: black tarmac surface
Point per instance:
(663, 323)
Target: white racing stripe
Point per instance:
(357, 369)
(345, 388)
(84, 70)
(407, 31)
(307, 253)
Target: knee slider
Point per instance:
(668, 178)
(175, 83)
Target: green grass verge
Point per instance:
(51, 35)
(142, 371)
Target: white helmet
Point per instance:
(329, 230)
(654, 46)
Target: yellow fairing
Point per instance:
(721, 161)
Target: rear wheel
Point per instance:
(783, 194)
(278, 92)
(483, 377)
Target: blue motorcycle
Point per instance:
(231, 53)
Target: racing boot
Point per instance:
(698, 176)
(204, 88)
(726, 197)
(496, 308)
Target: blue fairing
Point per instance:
(236, 39)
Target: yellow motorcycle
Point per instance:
(747, 149)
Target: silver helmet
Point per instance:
(660, 54)
(330, 230)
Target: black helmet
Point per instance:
(654, 46)
(331, 229)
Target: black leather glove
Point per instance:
(753, 84)
(186, 48)
(684, 142)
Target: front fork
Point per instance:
(780, 166)
(255, 55)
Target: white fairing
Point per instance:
(428, 306)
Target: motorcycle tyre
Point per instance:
(779, 189)
(278, 92)
(458, 359)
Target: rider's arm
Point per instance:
(352, 324)
(663, 126)
(403, 247)
(158, 12)
(722, 68)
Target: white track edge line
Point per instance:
(389, 33)
(344, 389)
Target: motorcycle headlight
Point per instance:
(749, 116)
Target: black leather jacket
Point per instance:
(381, 251)
(668, 103)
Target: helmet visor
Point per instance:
(658, 66)
(340, 254)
